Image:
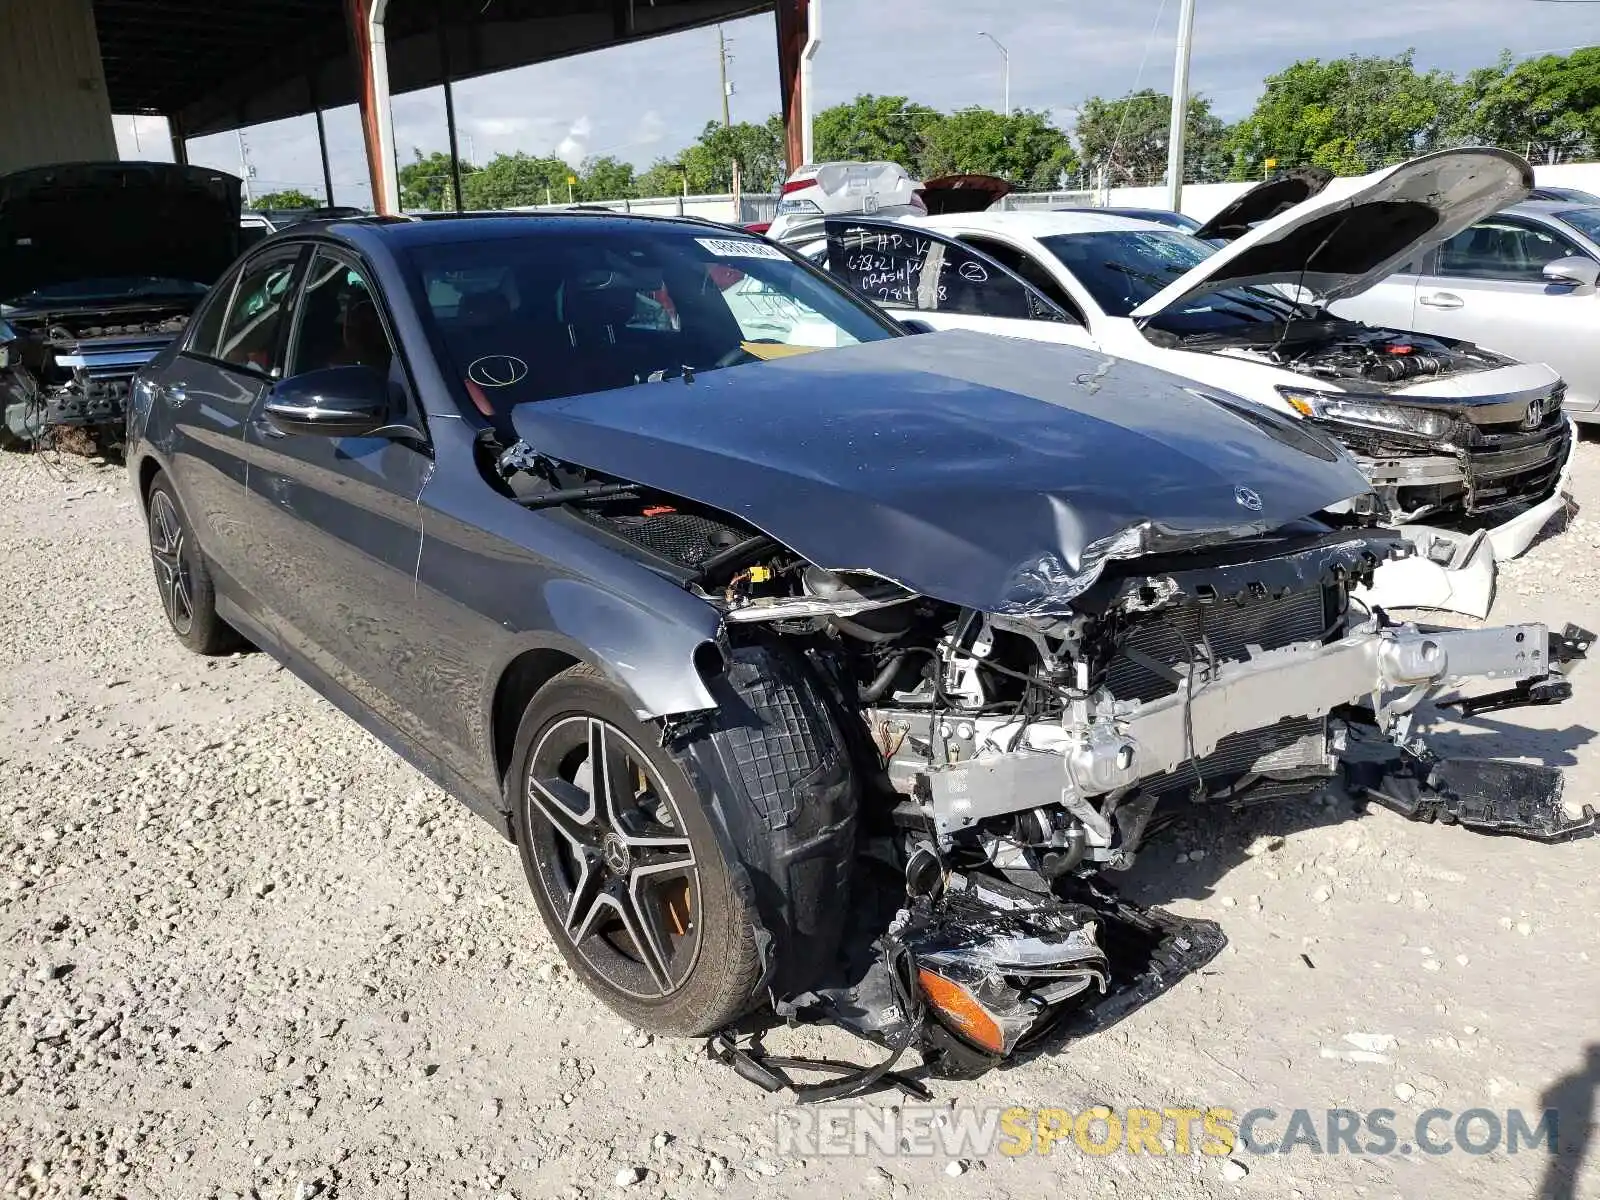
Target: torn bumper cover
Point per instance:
(1107, 747)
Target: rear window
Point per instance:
(563, 313)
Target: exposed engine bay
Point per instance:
(73, 369)
(1373, 358)
(1009, 761)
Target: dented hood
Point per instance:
(1355, 232)
(992, 473)
(962, 193)
(105, 220)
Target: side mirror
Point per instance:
(333, 402)
(1583, 273)
(914, 325)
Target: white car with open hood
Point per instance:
(1468, 450)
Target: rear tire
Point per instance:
(183, 577)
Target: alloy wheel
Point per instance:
(169, 549)
(613, 856)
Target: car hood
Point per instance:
(992, 473)
(1265, 201)
(77, 221)
(1356, 231)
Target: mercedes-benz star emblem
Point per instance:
(1245, 498)
(615, 852)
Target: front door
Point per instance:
(1488, 286)
(341, 513)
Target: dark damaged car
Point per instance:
(100, 266)
(806, 663)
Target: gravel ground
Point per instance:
(244, 951)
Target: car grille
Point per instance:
(1508, 465)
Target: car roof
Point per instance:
(1548, 208)
(1044, 224)
(441, 228)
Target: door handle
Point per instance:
(1441, 300)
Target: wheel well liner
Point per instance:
(523, 676)
(149, 468)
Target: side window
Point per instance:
(1506, 249)
(1029, 269)
(253, 332)
(339, 322)
(900, 267)
(205, 327)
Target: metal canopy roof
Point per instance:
(216, 67)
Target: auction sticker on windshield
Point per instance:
(741, 248)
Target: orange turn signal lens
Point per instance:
(961, 1011)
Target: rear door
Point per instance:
(339, 515)
(916, 274)
(232, 353)
(1487, 286)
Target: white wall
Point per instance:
(53, 105)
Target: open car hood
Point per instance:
(1265, 201)
(998, 475)
(962, 193)
(1354, 232)
(78, 221)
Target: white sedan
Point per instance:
(1468, 449)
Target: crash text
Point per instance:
(928, 1130)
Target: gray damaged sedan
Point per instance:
(807, 663)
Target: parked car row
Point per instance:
(1467, 447)
(816, 664)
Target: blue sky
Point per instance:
(648, 99)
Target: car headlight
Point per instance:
(1371, 411)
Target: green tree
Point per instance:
(1124, 141)
(289, 198)
(664, 178)
(758, 149)
(426, 182)
(1349, 115)
(605, 178)
(873, 129)
(1545, 106)
(1024, 148)
(517, 181)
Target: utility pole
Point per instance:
(1180, 107)
(1005, 56)
(245, 169)
(722, 68)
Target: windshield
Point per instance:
(109, 291)
(1123, 269)
(559, 312)
(1585, 220)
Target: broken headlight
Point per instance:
(1373, 412)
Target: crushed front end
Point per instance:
(1024, 755)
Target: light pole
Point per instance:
(1180, 107)
(1006, 57)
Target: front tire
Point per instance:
(182, 576)
(624, 865)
